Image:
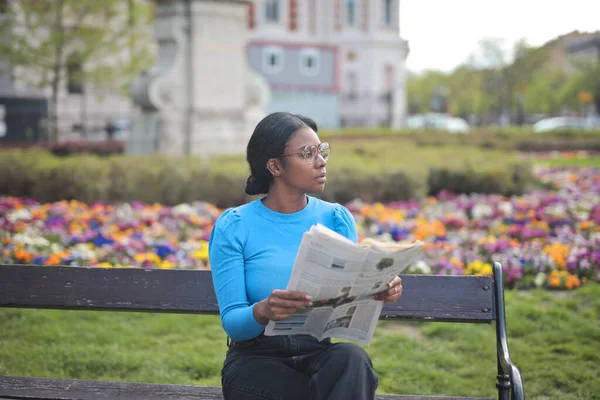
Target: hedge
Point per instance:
(175, 180)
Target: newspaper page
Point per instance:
(341, 277)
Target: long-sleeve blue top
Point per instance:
(252, 250)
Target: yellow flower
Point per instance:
(201, 254)
(151, 257)
(166, 265)
(486, 270)
(479, 268)
(105, 265)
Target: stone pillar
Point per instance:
(201, 97)
(399, 96)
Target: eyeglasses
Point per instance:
(311, 153)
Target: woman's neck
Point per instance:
(285, 203)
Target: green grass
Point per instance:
(382, 154)
(513, 131)
(553, 337)
(571, 162)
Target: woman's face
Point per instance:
(297, 173)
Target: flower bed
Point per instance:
(546, 238)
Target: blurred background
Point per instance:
(470, 125)
(73, 70)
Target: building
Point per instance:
(587, 50)
(341, 62)
(82, 105)
(567, 51)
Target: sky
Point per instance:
(443, 33)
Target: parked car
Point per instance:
(441, 122)
(556, 123)
(123, 128)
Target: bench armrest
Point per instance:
(509, 376)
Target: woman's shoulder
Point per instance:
(342, 219)
(232, 217)
(336, 208)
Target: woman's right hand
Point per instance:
(280, 305)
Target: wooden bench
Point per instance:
(432, 298)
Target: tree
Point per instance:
(543, 91)
(420, 90)
(98, 41)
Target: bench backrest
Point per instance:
(438, 298)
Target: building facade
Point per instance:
(341, 62)
(82, 106)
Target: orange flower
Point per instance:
(563, 280)
(559, 253)
(23, 256)
(585, 225)
(457, 263)
(53, 259)
(429, 229)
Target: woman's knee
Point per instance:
(346, 365)
(351, 353)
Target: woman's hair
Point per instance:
(268, 141)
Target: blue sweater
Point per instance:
(252, 250)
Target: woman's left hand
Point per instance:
(393, 293)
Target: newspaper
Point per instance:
(342, 276)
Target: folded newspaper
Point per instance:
(342, 276)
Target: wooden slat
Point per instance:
(439, 298)
(76, 288)
(444, 298)
(68, 389)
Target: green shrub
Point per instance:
(377, 171)
(348, 184)
(515, 180)
(509, 138)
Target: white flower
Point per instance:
(124, 212)
(420, 267)
(31, 241)
(506, 207)
(481, 210)
(82, 251)
(556, 210)
(540, 279)
(183, 209)
(16, 215)
(55, 248)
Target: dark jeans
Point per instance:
(297, 367)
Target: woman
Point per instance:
(252, 252)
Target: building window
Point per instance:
(272, 10)
(387, 12)
(352, 81)
(351, 12)
(273, 61)
(389, 78)
(74, 75)
(310, 62)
